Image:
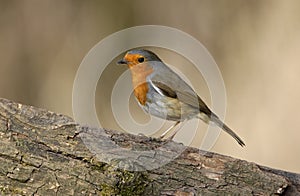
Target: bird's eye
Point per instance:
(141, 59)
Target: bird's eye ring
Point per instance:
(141, 59)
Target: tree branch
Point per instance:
(46, 153)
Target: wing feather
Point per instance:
(187, 96)
(170, 84)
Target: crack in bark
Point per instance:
(38, 188)
(5, 156)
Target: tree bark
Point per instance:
(44, 153)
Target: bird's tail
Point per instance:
(222, 125)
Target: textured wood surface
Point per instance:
(44, 153)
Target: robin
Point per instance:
(163, 93)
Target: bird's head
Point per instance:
(137, 56)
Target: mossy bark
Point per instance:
(43, 153)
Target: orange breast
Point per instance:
(140, 87)
(140, 93)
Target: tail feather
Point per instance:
(222, 125)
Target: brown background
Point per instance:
(256, 45)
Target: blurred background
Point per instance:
(256, 45)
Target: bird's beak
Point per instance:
(122, 62)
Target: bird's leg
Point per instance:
(168, 130)
(175, 132)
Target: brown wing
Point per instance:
(194, 100)
(170, 84)
(163, 89)
(189, 98)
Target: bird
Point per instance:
(161, 92)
